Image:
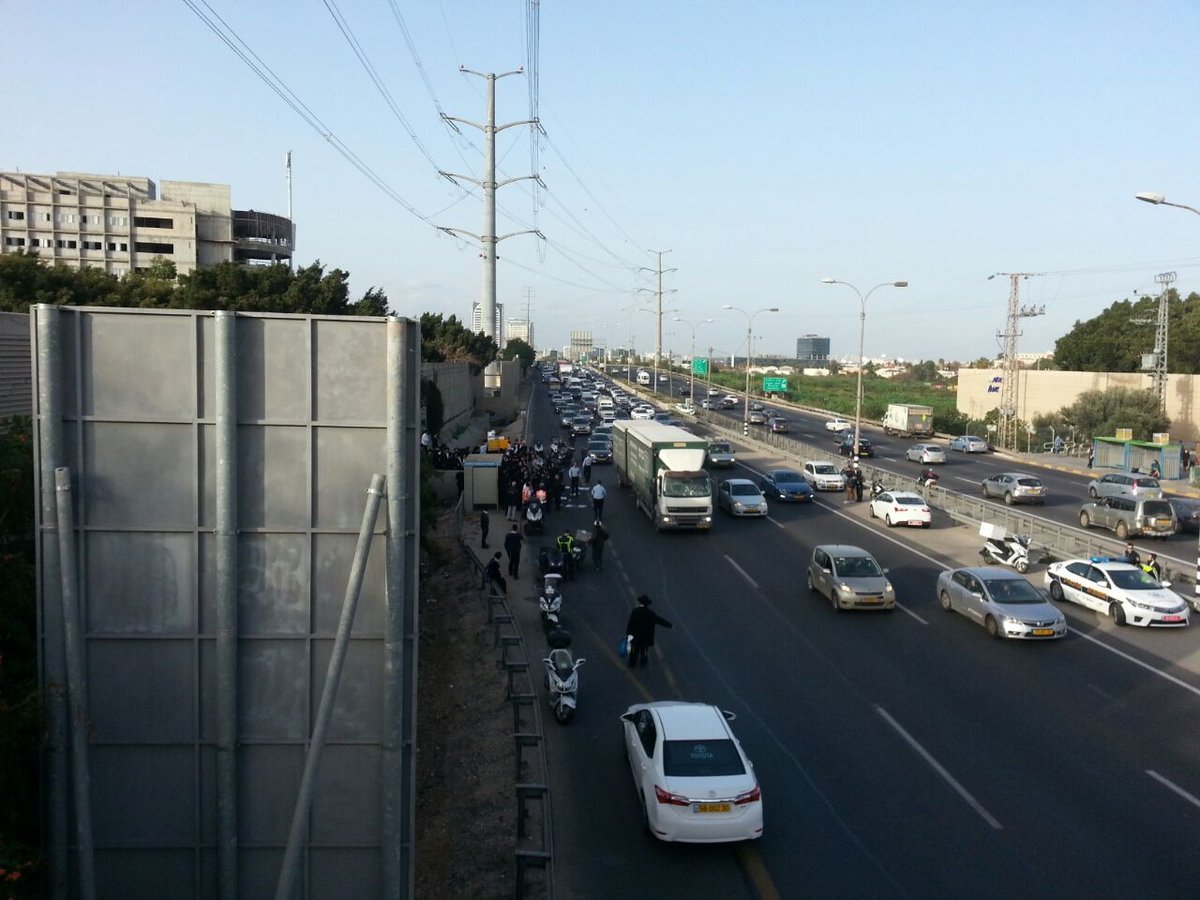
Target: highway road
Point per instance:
(901, 754)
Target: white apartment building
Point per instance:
(123, 224)
(477, 321)
(520, 329)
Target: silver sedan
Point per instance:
(1001, 601)
(927, 454)
(741, 497)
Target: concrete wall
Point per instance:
(1042, 392)
(456, 383)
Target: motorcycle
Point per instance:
(928, 478)
(562, 678)
(1005, 549)
(550, 602)
(579, 549)
(533, 518)
(876, 488)
(550, 561)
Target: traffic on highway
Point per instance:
(889, 742)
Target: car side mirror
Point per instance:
(729, 716)
(1165, 584)
(885, 571)
(627, 717)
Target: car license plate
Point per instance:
(1162, 523)
(1172, 618)
(915, 522)
(1043, 632)
(711, 807)
(870, 600)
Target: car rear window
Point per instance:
(1146, 482)
(701, 759)
(1029, 482)
(1156, 508)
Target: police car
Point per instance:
(1123, 591)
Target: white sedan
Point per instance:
(694, 782)
(642, 412)
(901, 508)
(836, 424)
(1118, 589)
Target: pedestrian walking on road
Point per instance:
(599, 539)
(512, 546)
(492, 576)
(1091, 456)
(484, 523)
(587, 469)
(573, 474)
(848, 475)
(640, 628)
(598, 494)
(858, 484)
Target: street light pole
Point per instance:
(1160, 200)
(692, 361)
(750, 317)
(862, 331)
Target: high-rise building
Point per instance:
(581, 345)
(477, 321)
(812, 348)
(122, 224)
(521, 329)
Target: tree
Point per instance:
(518, 349)
(1112, 342)
(446, 340)
(1101, 413)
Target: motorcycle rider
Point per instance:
(927, 477)
(565, 544)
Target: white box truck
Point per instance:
(909, 420)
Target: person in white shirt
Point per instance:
(598, 495)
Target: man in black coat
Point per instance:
(641, 627)
(512, 546)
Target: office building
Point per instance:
(812, 348)
(520, 329)
(581, 345)
(477, 321)
(122, 224)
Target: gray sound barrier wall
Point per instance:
(219, 466)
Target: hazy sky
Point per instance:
(766, 144)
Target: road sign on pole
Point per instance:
(699, 366)
(774, 385)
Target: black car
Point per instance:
(785, 484)
(1187, 514)
(846, 447)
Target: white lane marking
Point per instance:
(1171, 786)
(903, 608)
(1136, 661)
(941, 770)
(742, 572)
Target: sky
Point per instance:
(766, 145)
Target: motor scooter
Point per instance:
(550, 602)
(928, 478)
(550, 560)
(877, 488)
(1003, 548)
(562, 677)
(533, 518)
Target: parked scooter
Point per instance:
(876, 488)
(550, 602)
(533, 518)
(562, 677)
(1003, 548)
(550, 561)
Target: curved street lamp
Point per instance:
(750, 317)
(862, 329)
(1160, 200)
(692, 383)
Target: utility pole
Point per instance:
(1158, 359)
(287, 163)
(658, 293)
(1007, 422)
(489, 239)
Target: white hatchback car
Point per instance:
(836, 424)
(694, 782)
(901, 508)
(926, 454)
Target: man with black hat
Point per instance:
(1131, 556)
(641, 628)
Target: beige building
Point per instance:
(122, 224)
(1041, 392)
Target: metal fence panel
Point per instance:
(199, 710)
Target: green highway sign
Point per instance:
(774, 385)
(699, 366)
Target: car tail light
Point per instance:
(669, 799)
(751, 796)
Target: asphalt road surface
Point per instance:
(900, 754)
